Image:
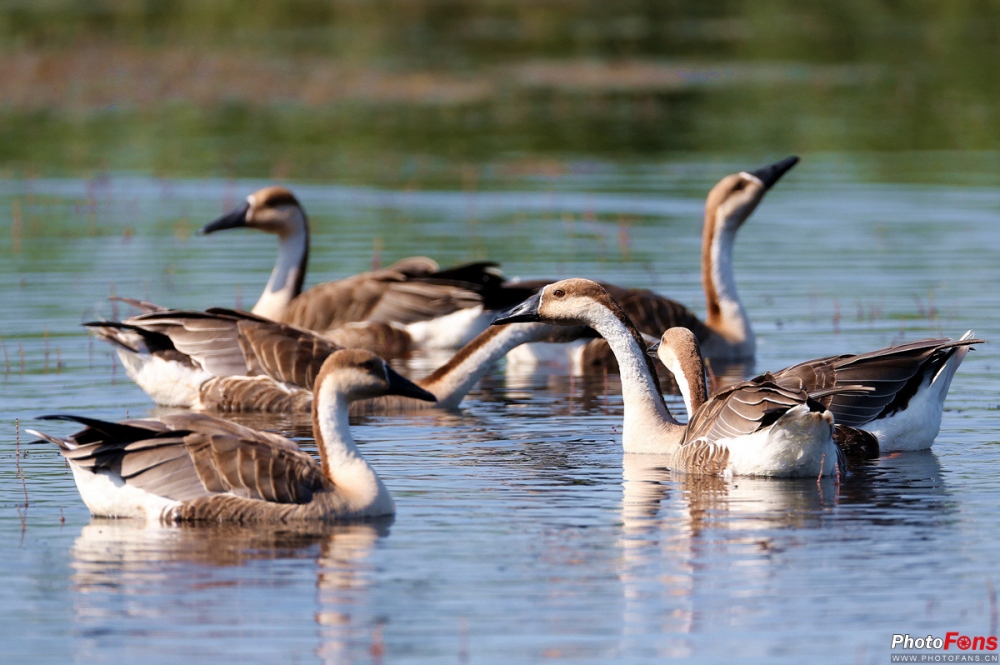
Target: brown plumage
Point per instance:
(193, 467)
(409, 291)
(894, 374)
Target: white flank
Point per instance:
(565, 355)
(168, 383)
(107, 495)
(916, 426)
(452, 331)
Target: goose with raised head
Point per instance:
(432, 308)
(757, 428)
(226, 360)
(907, 386)
(726, 334)
(197, 468)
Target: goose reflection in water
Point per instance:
(700, 532)
(124, 569)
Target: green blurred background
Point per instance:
(417, 93)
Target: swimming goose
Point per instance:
(197, 468)
(755, 428)
(449, 384)
(908, 385)
(227, 360)
(726, 334)
(432, 308)
(177, 356)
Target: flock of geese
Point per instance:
(322, 351)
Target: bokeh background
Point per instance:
(429, 92)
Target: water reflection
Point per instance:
(685, 537)
(118, 563)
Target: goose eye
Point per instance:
(741, 184)
(559, 293)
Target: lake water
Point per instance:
(522, 533)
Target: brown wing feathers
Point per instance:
(183, 465)
(742, 409)
(892, 374)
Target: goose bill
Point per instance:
(231, 220)
(399, 385)
(526, 311)
(772, 173)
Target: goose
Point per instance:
(902, 410)
(725, 335)
(228, 360)
(412, 301)
(198, 468)
(757, 428)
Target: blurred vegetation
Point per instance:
(356, 90)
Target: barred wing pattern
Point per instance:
(742, 409)
(893, 374)
(380, 296)
(211, 459)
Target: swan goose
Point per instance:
(902, 410)
(197, 468)
(726, 334)
(227, 360)
(413, 301)
(757, 428)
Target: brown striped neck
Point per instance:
(353, 479)
(331, 430)
(451, 382)
(728, 205)
(680, 353)
(289, 271)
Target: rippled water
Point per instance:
(522, 533)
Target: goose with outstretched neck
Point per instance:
(729, 204)
(757, 428)
(725, 334)
(196, 468)
(901, 410)
(233, 361)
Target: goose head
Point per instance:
(571, 302)
(736, 196)
(678, 350)
(271, 210)
(680, 353)
(359, 374)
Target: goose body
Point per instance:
(421, 304)
(901, 407)
(909, 384)
(194, 467)
(757, 428)
(226, 360)
(179, 357)
(725, 335)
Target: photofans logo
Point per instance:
(952, 648)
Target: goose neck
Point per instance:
(648, 426)
(288, 274)
(451, 382)
(725, 315)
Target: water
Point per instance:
(522, 533)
